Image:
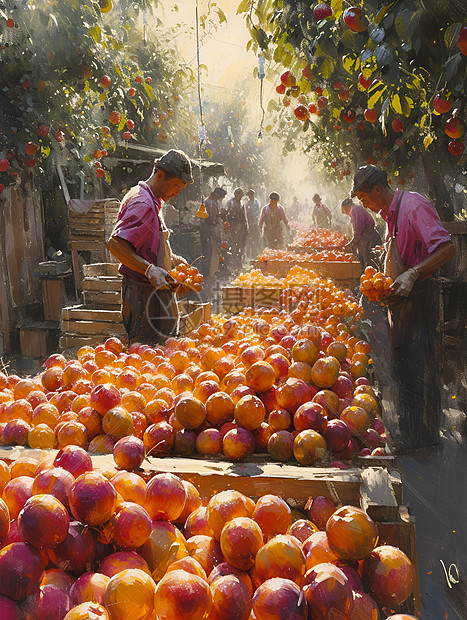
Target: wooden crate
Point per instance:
(237, 298)
(38, 339)
(101, 269)
(192, 315)
(86, 245)
(376, 490)
(95, 225)
(302, 249)
(54, 296)
(333, 270)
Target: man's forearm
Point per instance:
(125, 253)
(436, 260)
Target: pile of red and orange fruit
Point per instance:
(375, 285)
(188, 277)
(78, 542)
(320, 238)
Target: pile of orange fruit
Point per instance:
(374, 284)
(256, 279)
(326, 256)
(319, 238)
(188, 277)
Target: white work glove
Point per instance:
(404, 283)
(157, 276)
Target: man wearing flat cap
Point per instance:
(210, 230)
(420, 246)
(237, 228)
(140, 242)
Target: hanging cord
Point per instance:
(261, 76)
(202, 128)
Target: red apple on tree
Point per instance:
(4, 165)
(462, 40)
(100, 173)
(59, 135)
(349, 116)
(30, 163)
(131, 92)
(312, 109)
(43, 131)
(371, 115)
(344, 94)
(441, 105)
(397, 125)
(105, 81)
(323, 10)
(456, 147)
(319, 91)
(307, 74)
(126, 135)
(355, 19)
(288, 79)
(280, 89)
(453, 128)
(322, 102)
(302, 113)
(364, 82)
(30, 148)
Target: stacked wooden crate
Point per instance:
(100, 316)
(89, 232)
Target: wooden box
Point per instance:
(192, 315)
(95, 225)
(377, 491)
(333, 270)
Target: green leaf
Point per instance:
(149, 91)
(123, 120)
(326, 46)
(118, 70)
(244, 6)
(45, 150)
(452, 34)
(337, 7)
(221, 15)
(95, 32)
(327, 68)
(375, 93)
(209, 153)
(348, 63)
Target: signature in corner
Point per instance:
(451, 574)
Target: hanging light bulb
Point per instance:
(260, 137)
(202, 133)
(261, 73)
(202, 213)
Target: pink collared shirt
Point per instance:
(138, 223)
(420, 231)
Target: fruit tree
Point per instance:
(377, 82)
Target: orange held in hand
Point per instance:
(375, 285)
(188, 277)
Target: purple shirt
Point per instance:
(420, 231)
(138, 223)
(267, 212)
(360, 219)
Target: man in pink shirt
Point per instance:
(140, 242)
(272, 215)
(365, 236)
(411, 393)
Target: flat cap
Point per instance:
(176, 163)
(366, 177)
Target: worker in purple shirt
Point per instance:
(272, 215)
(140, 242)
(365, 236)
(410, 389)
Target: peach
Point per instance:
(309, 447)
(129, 453)
(317, 550)
(261, 436)
(302, 529)
(319, 510)
(123, 560)
(224, 569)
(281, 557)
(182, 595)
(165, 497)
(189, 565)
(279, 599)
(92, 498)
(240, 541)
(89, 587)
(225, 506)
(158, 439)
(231, 599)
(197, 523)
(309, 416)
(280, 420)
(280, 364)
(273, 515)
(209, 442)
(293, 393)
(185, 442)
(164, 545)
(130, 591)
(105, 397)
(328, 592)
(238, 443)
(280, 446)
(219, 409)
(130, 486)
(21, 570)
(16, 493)
(206, 550)
(43, 522)
(389, 575)
(249, 412)
(356, 419)
(351, 533)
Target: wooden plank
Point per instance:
(33, 342)
(53, 297)
(84, 313)
(105, 299)
(101, 269)
(93, 328)
(377, 495)
(71, 341)
(108, 283)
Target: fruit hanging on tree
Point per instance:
(371, 115)
(323, 10)
(397, 125)
(454, 128)
(441, 105)
(456, 147)
(355, 19)
(288, 79)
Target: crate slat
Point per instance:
(93, 328)
(101, 269)
(106, 299)
(84, 313)
(106, 283)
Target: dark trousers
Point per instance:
(149, 316)
(406, 366)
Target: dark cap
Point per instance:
(316, 198)
(274, 196)
(367, 177)
(250, 191)
(220, 191)
(176, 163)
